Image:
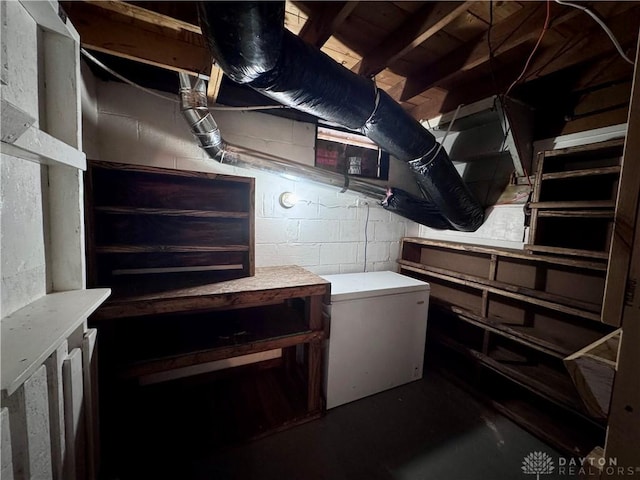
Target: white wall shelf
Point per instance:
(32, 333)
(40, 147)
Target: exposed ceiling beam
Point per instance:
(215, 81)
(144, 15)
(558, 54)
(521, 27)
(420, 26)
(323, 23)
(587, 45)
(147, 38)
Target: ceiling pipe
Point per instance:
(193, 104)
(250, 44)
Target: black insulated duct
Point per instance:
(251, 45)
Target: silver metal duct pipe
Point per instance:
(193, 105)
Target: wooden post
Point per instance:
(623, 434)
(56, 408)
(74, 466)
(90, 378)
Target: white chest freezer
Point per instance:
(377, 330)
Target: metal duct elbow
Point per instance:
(299, 75)
(194, 108)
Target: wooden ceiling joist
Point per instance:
(589, 44)
(521, 27)
(144, 15)
(322, 24)
(147, 37)
(215, 81)
(421, 25)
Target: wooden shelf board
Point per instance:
(194, 358)
(497, 327)
(576, 214)
(170, 212)
(568, 251)
(507, 253)
(101, 249)
(158, 270)
(40, 147)
(556, 425)
(582, 173)
(543, 299)
(585, 204)
(551, 388)
(590, 147)
(168, 171)
(32, 333)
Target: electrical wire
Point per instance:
(535, 48)
(171, 99)
(599, 21)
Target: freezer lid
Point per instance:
(351, 286)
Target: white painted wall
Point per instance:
(325, 232)
(22, 217)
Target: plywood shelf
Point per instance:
(503, 252)
(543, 299)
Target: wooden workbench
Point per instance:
(148, 335)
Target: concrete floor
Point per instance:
(429, 429)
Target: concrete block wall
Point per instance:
(325, 232)
(23, 183)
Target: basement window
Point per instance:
(346, 152)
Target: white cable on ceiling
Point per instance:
(602, 24)
(170, 99)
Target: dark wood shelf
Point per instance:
(556, 424)
(208, 337)
(577, 213)
(583, 204)
(538, 379)
(165, 222)
(171, 212)
(574, 252)
(587, 172)
(537, 338)
(169, 248)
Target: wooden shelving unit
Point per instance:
(574, 200)
(518, 316)
(164, 227)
